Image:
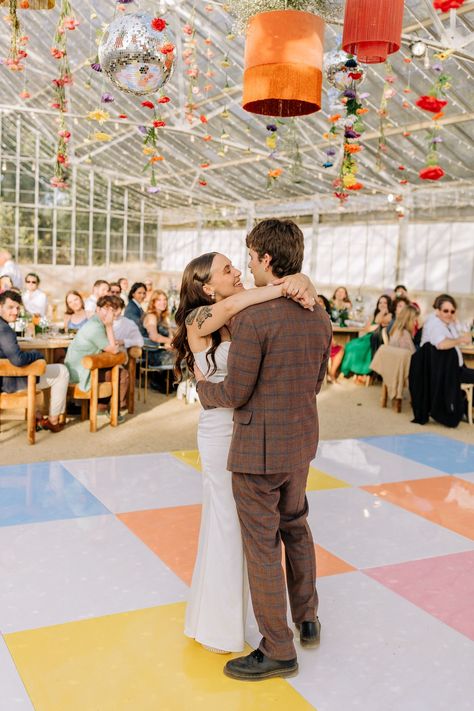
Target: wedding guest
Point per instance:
(442, 330)
(115, 290)
(100, 289)
(126, 331)
(96, 336)
(360, 351)
(149, 291)
(403, 329)
(35, 301)
(337, 351)
(123, 281)
(5, 283)
(157, 325)
(340, 306)
(10, 268)
(401, 290)
(56, 376)
(75, 316)
(134, 309)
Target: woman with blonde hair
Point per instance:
(156, 323)
(401, 333)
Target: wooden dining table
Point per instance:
(46, 345)
(468, 355)
(344, 334)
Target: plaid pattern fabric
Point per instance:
(272, 509)
(276, 365)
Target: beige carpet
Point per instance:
(166, 424)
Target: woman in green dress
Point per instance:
(358, 352)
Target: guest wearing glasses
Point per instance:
(442, 331)
(35, 301)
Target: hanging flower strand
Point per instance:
(18, 41)
(150, 141)
(66, 22)
(432, 103)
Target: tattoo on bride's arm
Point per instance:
(190, 317)
(203, 314)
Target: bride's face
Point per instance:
(225, 278)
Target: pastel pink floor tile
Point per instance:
(443, 586)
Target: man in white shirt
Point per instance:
(9, 268)
(35, 301)
(100, 288)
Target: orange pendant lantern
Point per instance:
(283, 63)
(372, 29)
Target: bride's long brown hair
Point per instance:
(192, 296)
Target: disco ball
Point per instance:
(131, 54)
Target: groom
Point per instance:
(276, 365)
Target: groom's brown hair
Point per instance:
(283, 241)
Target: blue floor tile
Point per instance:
(44, 491)
(448, 455)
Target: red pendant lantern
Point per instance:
(283, 63)
(372, 29)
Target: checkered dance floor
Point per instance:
(96, 557)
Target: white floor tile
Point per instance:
(381, 653)
(366, 531)
(61, 571)
(360, 464)
(13, 696)
(139, 482)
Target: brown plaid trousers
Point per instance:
(276, 366)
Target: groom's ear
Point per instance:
(266, 261)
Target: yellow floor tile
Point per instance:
(320, 480)
(135, 661)
(190, 457)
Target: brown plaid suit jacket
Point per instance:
(276, 365)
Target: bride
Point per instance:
(211, 294)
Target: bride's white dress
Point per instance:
(215, 615)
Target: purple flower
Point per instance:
(107, 98)
(96, 67)
(143, 130)
(438, 68)
(350, 133)
(330, 152)
(349, 94)
(124, 2)
(272, 127)
(437, 139)
(152, 189)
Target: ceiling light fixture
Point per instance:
(418, 49)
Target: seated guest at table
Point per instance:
(360, 351)
(149, 291)
(442, 331)
(157, 325)
(337, 351)
(134, 309)
(97, 336)
(401, 290)
(403, 329)
(115, 290)
(123, 281)
(55, 377)
(75, 316)
(100, 288)
(5, 283)
(9, 267)
(398, 305)
(340, 306)
(34, 300)
(126, 331)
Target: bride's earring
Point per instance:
(212, 294)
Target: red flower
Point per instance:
(203, 183)
(167, 48)
(123, 116)
(356, 186)
(158, 24)
(356, 75)
(431, 103)
(61, 158)
(159, 124)
(446, 5)
(431, 172)
(148, 104)
(203, 119)
(163, 100)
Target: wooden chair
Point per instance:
(468, 389)
(28, 399)
(393, 364)
(134, 355)
(90, 398)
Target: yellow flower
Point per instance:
(101, 136)
(348, 180)
(271, 141)
(444, 54)
(98, 115)
(148, 151)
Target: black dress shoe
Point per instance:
(257, 666)
(310, 633)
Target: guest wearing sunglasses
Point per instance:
(34, 300)
(442, 331)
